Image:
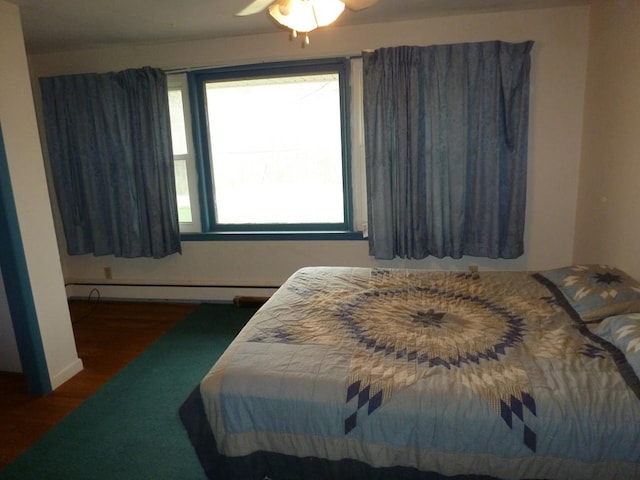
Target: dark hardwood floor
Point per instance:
(108, 336)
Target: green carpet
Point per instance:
(129, 429)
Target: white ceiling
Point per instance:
(53, 25)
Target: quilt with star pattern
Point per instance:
(457, 373)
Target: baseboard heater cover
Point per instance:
(170, 292)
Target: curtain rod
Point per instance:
(171, 71)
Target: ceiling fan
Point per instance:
(304, 15)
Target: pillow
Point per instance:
(596, 291)
(623, 331)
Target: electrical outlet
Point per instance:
(107, 273)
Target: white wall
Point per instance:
(558, 84)
(24, 157)
(9, 356)
(608, 219)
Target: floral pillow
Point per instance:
(623, 331)
(596, 291)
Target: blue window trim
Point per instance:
(266, 236)
(216, 232)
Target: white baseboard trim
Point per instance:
(66, 373)
(167, 293)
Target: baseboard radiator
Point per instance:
(241, 295)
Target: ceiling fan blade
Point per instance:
(254, 7)
(359, 4)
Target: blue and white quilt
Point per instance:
(450, 372)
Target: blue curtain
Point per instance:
(446, 149)
(109, 141)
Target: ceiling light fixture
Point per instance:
(305, 15)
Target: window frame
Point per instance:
(180, 82)
(209, 227)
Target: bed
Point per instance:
(411, 374)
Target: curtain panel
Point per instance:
(446, 131)
(109, 142)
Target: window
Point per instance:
(183, 154)
(273, 144)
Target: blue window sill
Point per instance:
(261, 236)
